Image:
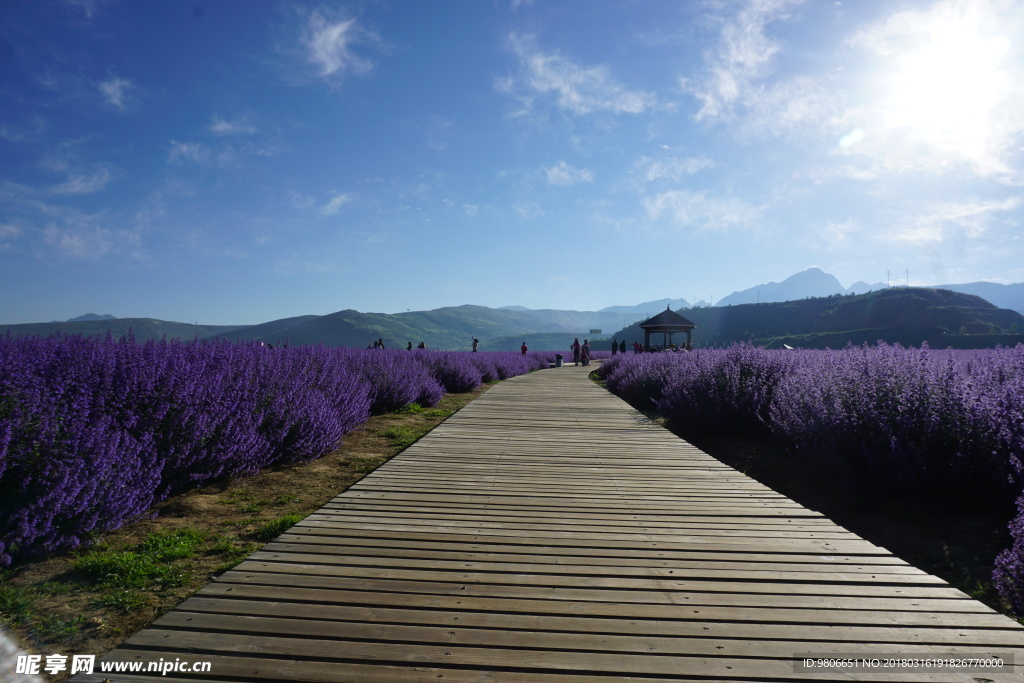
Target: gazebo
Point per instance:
(668, 322)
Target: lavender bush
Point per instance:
(94, 432)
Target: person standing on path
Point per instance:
(575, 351)
(476, 343)
(622, 346)
(523, 349)
(585, 352)
(615, 346)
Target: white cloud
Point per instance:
(89, 8)
(742, 57)
(576, 89)
(564, 174)
(115, 90)
(837, 235)
(740, 83)
(189, 151)
(8, 233)
(84, 183)
(696, 209)
(219, 126)
(651, 170)
(528, 210)
(225, 155)
(29, 133)
(334, 205)
(944, 221)
(63, 229)
(470, 209)
(328, 46)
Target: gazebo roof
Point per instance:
(667, 320)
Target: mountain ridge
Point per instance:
(454, 327)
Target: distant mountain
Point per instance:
(90, 317)
(143, 329)
(814, 282)
(861, 287)
(920, 313)
(1003, 296)
(811, 282)
(908, 316)
(647, 309)
(451, 327)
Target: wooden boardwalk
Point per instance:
(548, 532)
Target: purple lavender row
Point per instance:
(941, 423)
(94, 432)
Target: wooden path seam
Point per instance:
(547, 532)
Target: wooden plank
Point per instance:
(444, 654)
(497, 637)
(723, 571)
(321, 591)
(331, 547)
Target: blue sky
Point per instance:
(235, 162)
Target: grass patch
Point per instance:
(437, 413)
(402, 436)
(123, 569)
(55, 627)
(124, 600)
(173, 545)
(411, 409)
(148, 564)
(15, 605)
(244, 522)
(272, 530)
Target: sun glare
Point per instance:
(945, 89)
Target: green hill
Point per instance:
(452, 327)
(906, 316)
(144, 329)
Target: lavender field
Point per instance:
(94, 432)
(924, 422)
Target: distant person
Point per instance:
(380, 343)
(622, 346)
(421, 345)
(523, 349)
(637, 348)
(476, 343)
(575, 351)
(409, 347)
(585, 352)
(615, 346)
